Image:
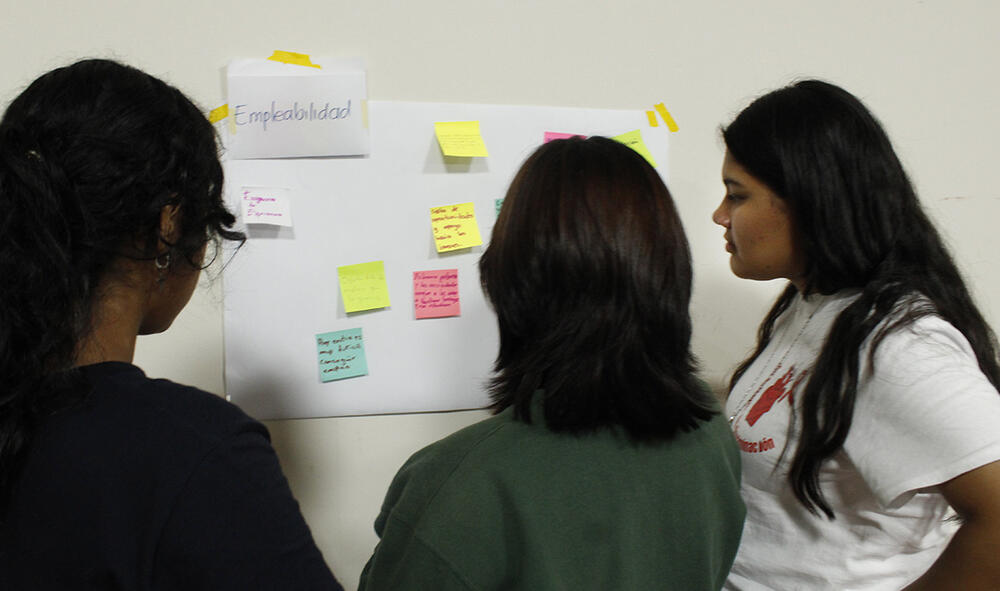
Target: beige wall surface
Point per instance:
(923, 66)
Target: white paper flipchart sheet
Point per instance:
(281, 287)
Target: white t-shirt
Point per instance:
(926, 415)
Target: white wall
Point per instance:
(925, 67)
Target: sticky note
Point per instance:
(266, 205)
(498, 203)
(363, 286)
(667, 118)
(633, 139)
(341, 355)
(556, 135)
(460, 138)
(653, 121)
(455, 227)
(435, 293)
(218, 114)
(296, 59)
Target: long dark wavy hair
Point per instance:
(89, 155)
(861, 226)
(589, 273)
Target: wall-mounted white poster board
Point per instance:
(290, 341)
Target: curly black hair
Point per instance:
(90, 153)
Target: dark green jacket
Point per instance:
(503, 504)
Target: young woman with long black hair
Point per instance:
(868, 414)
(110, 193)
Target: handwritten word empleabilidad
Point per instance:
(292, 112)
(281, 110)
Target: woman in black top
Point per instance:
(110, 195)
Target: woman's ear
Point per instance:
(170, 223)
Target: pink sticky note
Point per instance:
(435, 293)
(556, 135)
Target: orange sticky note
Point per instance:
(667, 118)
(296, 59)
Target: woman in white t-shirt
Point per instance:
(868, 414)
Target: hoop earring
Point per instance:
(162, 266)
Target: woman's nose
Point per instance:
(721, 215)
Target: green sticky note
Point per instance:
(363, 286)
(341, 355)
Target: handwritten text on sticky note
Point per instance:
(435, 293)
(363, 286)
(633, 139)
(341, 355)
(455, 227)
(460, 138)
(266, 205)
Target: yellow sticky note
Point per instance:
(218, 114)
(633, 139)
(363, 286)
(460, 138)
(653, 121)
(667, 118)
(296, 59)
(455, 227)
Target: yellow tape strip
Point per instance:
(651, 115)
(662, 110)
(218, 114)
(296, 59)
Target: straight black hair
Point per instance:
(89, 155)
(589, 273)
(862, 227)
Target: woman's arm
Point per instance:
(972, 559)
(236, 526)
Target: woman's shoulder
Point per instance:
(917, 359)
(915, 334)
(122, 398)
(446, 455)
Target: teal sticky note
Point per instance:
(498, 203)
(341, 355)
